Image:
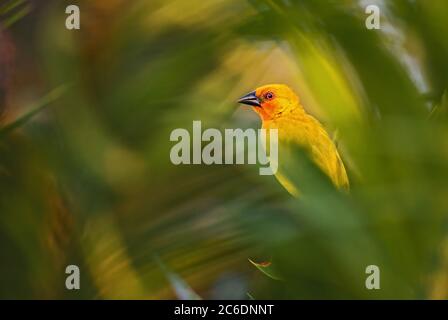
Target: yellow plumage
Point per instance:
(280, 108)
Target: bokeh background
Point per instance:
(85, 175)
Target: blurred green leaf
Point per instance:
(12, 11)
(34, 109)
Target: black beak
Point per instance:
(250, 99)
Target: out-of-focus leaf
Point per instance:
(13, 11)
(182, 289)
(440, 110)
(40, 105)
(10, 5)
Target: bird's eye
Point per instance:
(269, 96)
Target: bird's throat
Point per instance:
(263, 113)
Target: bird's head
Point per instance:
(272, 100)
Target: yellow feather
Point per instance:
(280, 109)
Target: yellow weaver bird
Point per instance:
(279, 108)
